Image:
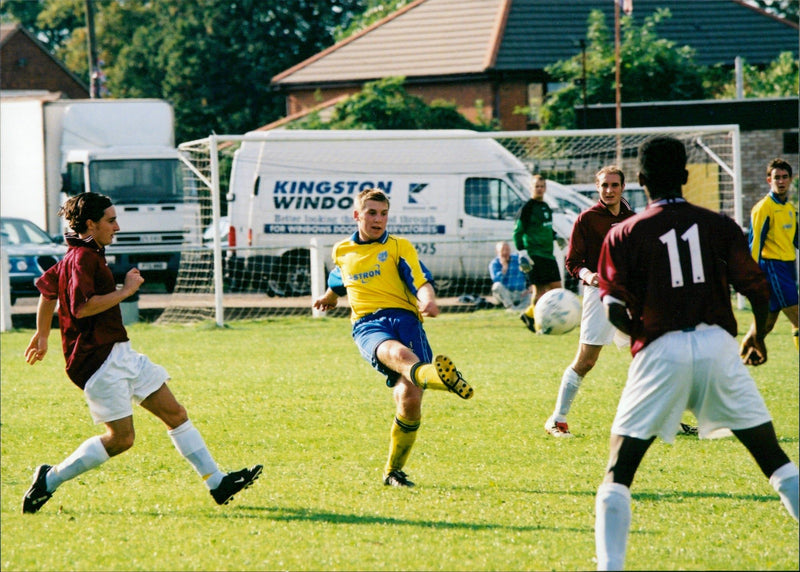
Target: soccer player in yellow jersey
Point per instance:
(390, 291)
(773, 241)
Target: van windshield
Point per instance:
(138, 181)
(491, 198)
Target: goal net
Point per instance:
(262, 265)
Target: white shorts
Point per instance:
(596, 330)
(698, 370)
(125, 375)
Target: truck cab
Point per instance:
(147, 188)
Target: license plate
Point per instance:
(152, 266)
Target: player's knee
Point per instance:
(117, 443)
(408, 396)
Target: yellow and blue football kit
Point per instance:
(773, 241)
(381, 279)
(385, 273)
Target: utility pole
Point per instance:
(583, 82)
(94, 70)
(616, 64)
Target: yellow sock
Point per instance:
(424, 376)
(529, 311)
(794, 335)
(403, 435)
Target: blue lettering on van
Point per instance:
(323, 187)
(313, 203)
(322, 228)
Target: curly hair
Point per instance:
(83, 207)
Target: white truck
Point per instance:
(454, 194)
(125, 149)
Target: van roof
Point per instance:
(419, 152)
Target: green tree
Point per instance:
(779, 79)
(652, 68)
(212, 59)
(373, 11)
(789, 9)
(385, 104)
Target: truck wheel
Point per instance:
(169, 283)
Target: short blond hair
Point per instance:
(610, 170)
(371, 195)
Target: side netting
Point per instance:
(225, 283)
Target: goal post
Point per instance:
(230, 278)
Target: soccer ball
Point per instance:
(558, 311)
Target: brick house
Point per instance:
(27, 66)
(489, 56)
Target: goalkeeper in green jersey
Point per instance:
(533, 237)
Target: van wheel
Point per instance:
(296, 273)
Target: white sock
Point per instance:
(612, 522)
(570, 383)
(190, 444)
(786, 481)
(87, 456)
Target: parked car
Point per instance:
(31, 251)
(224, 227)
(568, 198)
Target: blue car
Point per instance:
(31, 251)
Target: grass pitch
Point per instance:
(494, 492)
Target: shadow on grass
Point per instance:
(662, 495)
(678, 495)
(314, 515)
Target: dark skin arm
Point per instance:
(618, 315)
(753, 349)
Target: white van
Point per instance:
(454, 193)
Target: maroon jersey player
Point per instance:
(101, 362)
(664, 278)
(587, 236)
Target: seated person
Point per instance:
(509, 283)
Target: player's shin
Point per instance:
(424, 376)
(190, 445)
(786, 481)
(403, 435)
(612, 522)
(87, 456)
(570, 383)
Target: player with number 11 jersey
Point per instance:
(680, 271)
